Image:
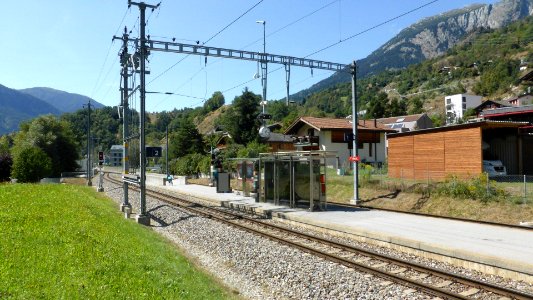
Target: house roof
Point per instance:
(483, 124)
(117, 147)
(409, 118)
(527, 76)
(336, 124)
(487, 102)
(275, 137)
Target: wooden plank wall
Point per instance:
(429, 156)
(400, 157)
(435, 155)
(463, 155)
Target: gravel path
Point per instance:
(257, 268)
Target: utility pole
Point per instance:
(166, 154)
(287, 79)
(355, 152)
(142, 217)
(89, 172)
(124, 59)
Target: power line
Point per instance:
(268, 35)
(212, 37)
(291, 23)
(231, 23)
(372, 28)
(107, 55)
(348, 38)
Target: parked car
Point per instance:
(494, 168)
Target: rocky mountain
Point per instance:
(16, 107)
(63, 101)
(429, 38)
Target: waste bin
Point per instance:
(223, 183)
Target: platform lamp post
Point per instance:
(263, 67)
(264, 132)
(166, 155)
(89, 173)
(353, 71)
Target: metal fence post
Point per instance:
(401, 178)
(488, 183)
(525, 189)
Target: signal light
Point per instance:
(100, 157)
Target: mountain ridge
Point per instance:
(63, 101)
(18, 107)
(428, 38)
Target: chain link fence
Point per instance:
(515, 188)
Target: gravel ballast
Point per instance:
(257, 268)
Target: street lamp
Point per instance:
(263, 64)
(264, 35)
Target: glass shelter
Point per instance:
(294, 179)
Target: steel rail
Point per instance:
(222, 216)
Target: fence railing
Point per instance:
(515, 188)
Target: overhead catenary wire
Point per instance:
(244, 47)
(107, 55)
(232, 22)
(348, 38)
(373, 27)
(212, 37)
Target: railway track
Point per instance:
(419, 277)
(429, 215)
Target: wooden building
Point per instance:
(460, 150)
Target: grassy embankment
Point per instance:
(68, 242)
(382, 192)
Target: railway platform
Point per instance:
(487, 248)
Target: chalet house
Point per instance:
(407, 123)
(278, 142)
(521, 100)
(488, 105)
(330, 136)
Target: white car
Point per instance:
(494, 168)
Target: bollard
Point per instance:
(127, 212)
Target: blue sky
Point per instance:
(67, 45)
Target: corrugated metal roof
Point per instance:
(484, 124)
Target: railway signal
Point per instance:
(100, 158)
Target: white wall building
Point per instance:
(456, 106)
(115, 155)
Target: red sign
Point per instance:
(354, 158)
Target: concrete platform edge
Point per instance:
(488, 262)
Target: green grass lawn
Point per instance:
(68, 242)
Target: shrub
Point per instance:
(191, 165)
(365, 173)
(6, 162)
(31, 164)
(477, 188)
